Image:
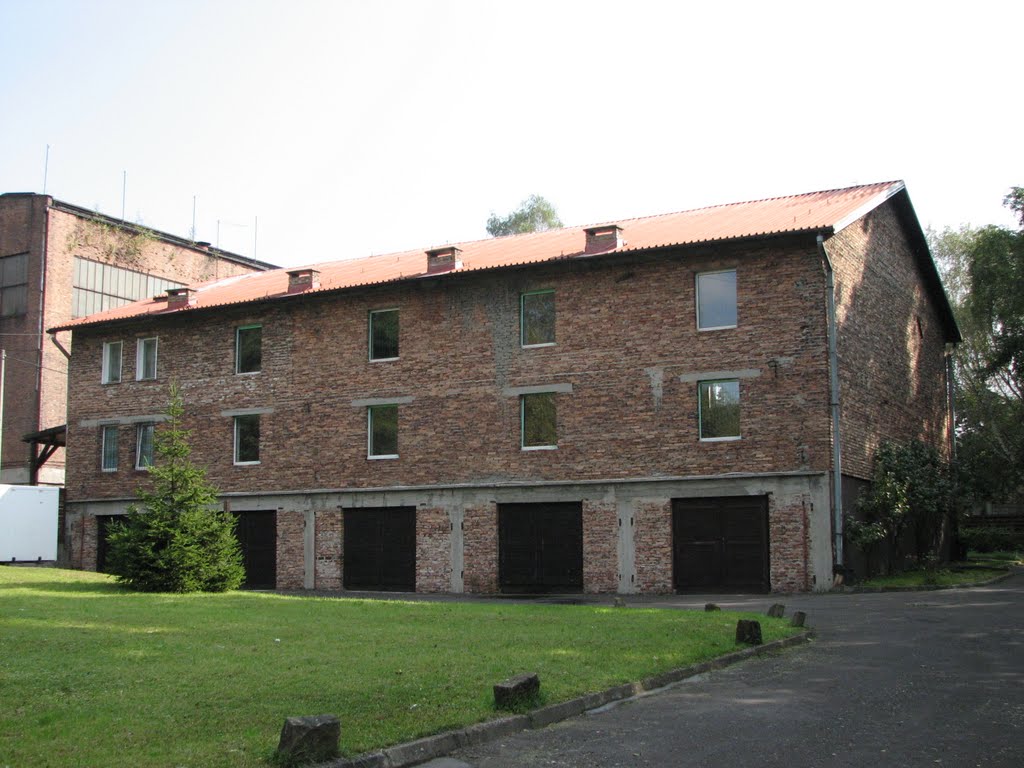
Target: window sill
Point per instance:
(717, 328)
(720, 439)
(538, 346)
(539, 447)
(109, 471)
(247, 373)
(382, 456)
(108, 383)
(384, 359)
(246, 463)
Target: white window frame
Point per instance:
(369, 431)
(139, 430)
(522, 319)
(105, 377)
(700, 411)
(522, 424)
(106, 429)
(696, 281)
(140, 347)
(236, 440)
(369, 335)
(238, 348)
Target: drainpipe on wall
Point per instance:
(833, 365)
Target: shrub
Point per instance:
(987, 539)
(179, 541)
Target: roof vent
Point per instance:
(300, 280)
(443, 260)
(202, 245)
(601, 239)
(179, 298)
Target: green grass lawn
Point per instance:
(94, 676)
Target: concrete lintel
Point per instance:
(746, 373)
(246, 412)
(368, 401)
(537, 389)
(123, 420)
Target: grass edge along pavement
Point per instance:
(440, 744)
(94, 675)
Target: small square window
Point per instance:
(384, 334)
(247, 439)
(716, 300)
(144, 446)
(719, 410)
(539, 420)
(248, 349)
(111, 362)
(537, 318)
(382, 429)
(109, 449)
(145, 359)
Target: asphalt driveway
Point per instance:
(892, 679)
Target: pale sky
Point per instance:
(351, 128)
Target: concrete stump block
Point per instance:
(711, 607)
(517, 690)
(799, 617)
(777, 611)
(311, 739)
(748, 632)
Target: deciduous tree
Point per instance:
(534, 214)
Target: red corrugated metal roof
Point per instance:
(815, 211)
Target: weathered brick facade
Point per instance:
(53, 233)
(626, 365)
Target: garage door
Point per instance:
(257, 535)
(540, 547)
(380, 549)
(721, 543)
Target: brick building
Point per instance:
(59, 262)
(642, 406)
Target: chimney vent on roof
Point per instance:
(601, 239)
(179, 298)
(443, 260)
(203, 245)
(300, 280)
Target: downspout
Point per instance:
(833, 399)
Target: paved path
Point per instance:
(894, 679)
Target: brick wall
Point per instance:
(433, 550)
(600, 546)
(480, 547)
(890, 342)
(652, 538)
(329, 552)
(789, 544)
(290, 549)
(625, 337)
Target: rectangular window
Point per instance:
(384, 334)
(538, 415)
(145, 359)
(13, 285)
(248, 349)
(109, 450)
(719, 410)
(537, 318)
(716, 300)
(111, 362)
(97, 286)
(382, 429)
(247, 439)
(144, 446)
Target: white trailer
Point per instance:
(28, 523)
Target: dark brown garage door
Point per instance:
(721, 543)
(102, 540)
(540, 547)
(380, 549)
(257, 535)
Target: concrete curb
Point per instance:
(926, 587)
(421, 750)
